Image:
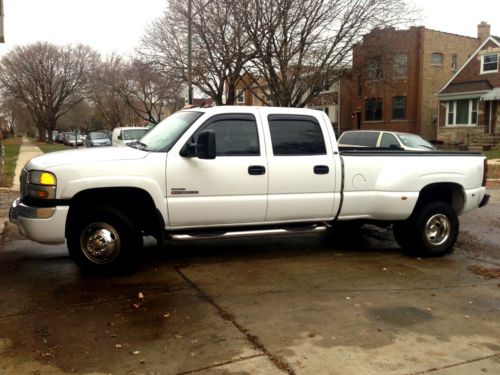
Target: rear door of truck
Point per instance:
(301, 164)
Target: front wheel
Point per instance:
(432, 231)
(104, 240)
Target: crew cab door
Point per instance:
(301, 167)
(228, 190)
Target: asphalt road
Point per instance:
(304, 304)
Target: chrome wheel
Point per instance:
(100, 243)
(437, 229)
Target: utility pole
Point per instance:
(190, 46)
(190, 52)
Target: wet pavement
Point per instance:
(303, 304)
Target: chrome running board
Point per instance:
(246, 233)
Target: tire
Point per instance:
(400, 229)
(432, 231)
(104, 240)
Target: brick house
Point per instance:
(470, 100)
(251, 94)
(396, 74)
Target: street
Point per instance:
(305, 304)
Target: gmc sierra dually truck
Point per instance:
(239, 171)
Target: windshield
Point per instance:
(415, 141)
(163, 136)
(98, 136)
(129, 134)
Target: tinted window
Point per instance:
(389, 140)
(365, 139)
(235, 135)
(296, 135)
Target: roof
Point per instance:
(494, 39)
(454, 88)
(492, 94)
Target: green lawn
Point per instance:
(11, 150)
(492, 154)
(45, 147)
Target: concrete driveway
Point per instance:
(306, 304)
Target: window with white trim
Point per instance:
(462, 112)
(489, 63)
(437, 59)
(240, 96)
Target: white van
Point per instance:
(124, 136)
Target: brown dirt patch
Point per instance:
(487, 273)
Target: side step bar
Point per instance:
(244, 233)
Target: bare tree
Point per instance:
(303, 46)
(145, 91)
(103, 92)
(221, 48)
(49, 80)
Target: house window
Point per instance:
(462, 112)
(399, 108)
(240, 96)
(373, 109)
(454, 63)
(489, 63)
(375, 69)
(437, 59)
(399, 66)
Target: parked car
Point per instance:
(384, 139)
(69, 139)
(97, 139)
(125, 136)
(60, 137)
(227, 172)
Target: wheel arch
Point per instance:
(133, 201)
(447, 192)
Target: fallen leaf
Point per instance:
(140, 296)
(467, 316)
(135, 352)
(136, 305)
(167, 315)
(118, 346)
(179, 335)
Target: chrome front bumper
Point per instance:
(40, 224)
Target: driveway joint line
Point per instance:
(279, 362)
(455, 364)
(220, 364)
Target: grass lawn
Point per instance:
(492, 154)
(45, 147)
(11, 150)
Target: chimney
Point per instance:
(483, 31)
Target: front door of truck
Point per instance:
(228, 190)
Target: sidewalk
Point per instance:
(7, 195)
(27, 152)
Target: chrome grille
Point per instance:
(23, 181)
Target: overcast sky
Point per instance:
(117, 25)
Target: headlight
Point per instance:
(42, 185)
(42, 178)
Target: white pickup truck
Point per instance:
(239, 171)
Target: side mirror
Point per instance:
(120, 136)
(205, 145)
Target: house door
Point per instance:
(358, 120)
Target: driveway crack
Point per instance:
(278, 361)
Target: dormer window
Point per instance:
(489, 63)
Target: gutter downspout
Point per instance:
(489, 119)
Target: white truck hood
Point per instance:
(59, 158)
